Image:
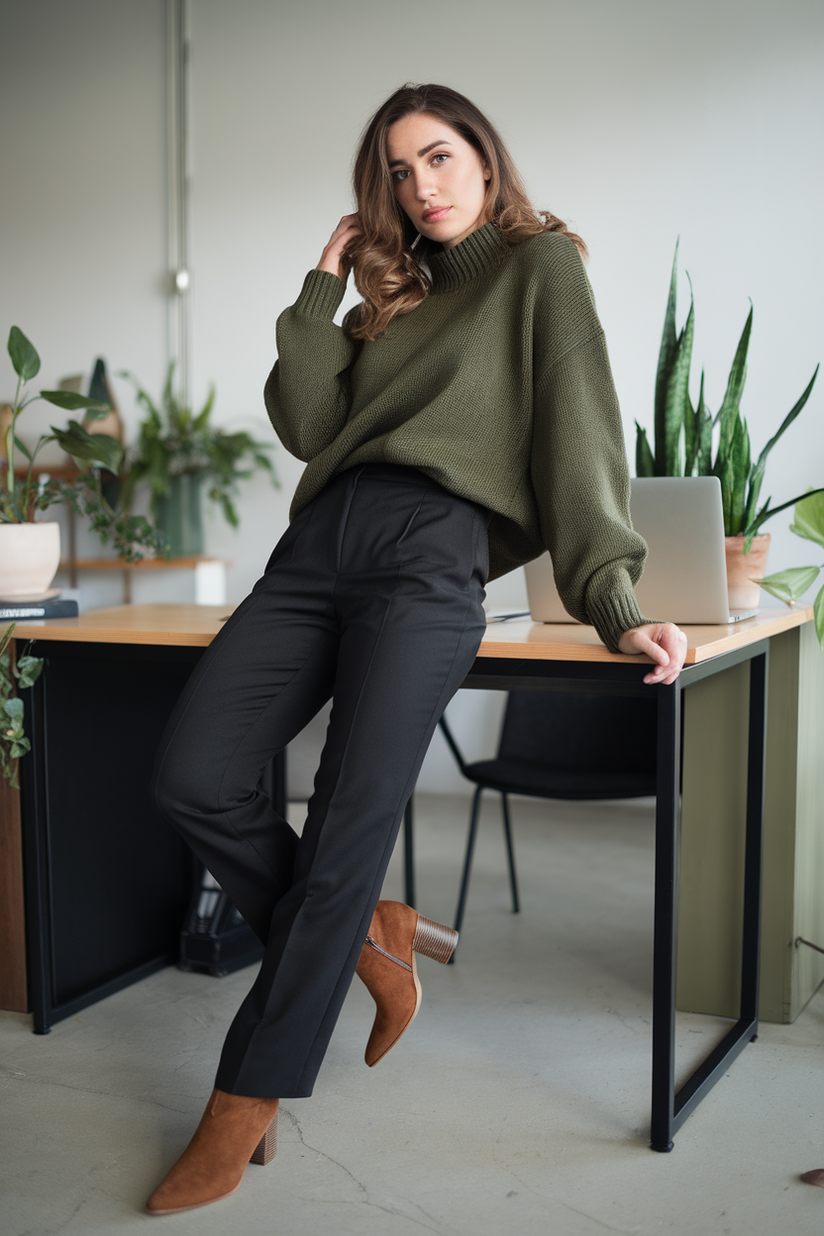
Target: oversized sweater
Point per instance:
(498, 386)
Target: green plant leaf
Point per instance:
(23, 354)
(72, 402)
(729, 410)
(21, 448)
(666, 355)
(677, 405)
(765, 514)
(13, 709)
(758, 471)
(723, 470)
(229, 512)
(691, 437)
(92, 448)
(28, 670)
(808, 518)
(789, 585)
(704, 421)
(818, 612)
(168, 399)
(201, 422)
(740, 463)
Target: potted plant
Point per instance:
(178, 453)
(789, 585)
(30, 549)
(683, 446)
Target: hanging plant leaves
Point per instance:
(13, 709)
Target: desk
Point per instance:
(526, 656)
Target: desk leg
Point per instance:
(754, 855)
(667, 856)
(670, 1110)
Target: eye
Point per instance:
(400, 174)
(436, 157)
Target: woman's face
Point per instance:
(439, 179)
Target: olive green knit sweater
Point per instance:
(497, 386)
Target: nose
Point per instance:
(424, 188)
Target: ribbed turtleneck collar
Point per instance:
(482, 251)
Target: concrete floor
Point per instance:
(517, 1102)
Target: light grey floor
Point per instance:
(517, 1102)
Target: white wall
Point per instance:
(637, 121)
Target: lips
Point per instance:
(437, 212)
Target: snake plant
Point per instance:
(684, 433)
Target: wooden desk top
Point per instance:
(197, 625)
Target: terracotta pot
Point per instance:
(29, 558)
(745, 570)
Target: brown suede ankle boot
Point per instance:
(387, 967)
(235, 1130)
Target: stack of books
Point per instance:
(51, 605)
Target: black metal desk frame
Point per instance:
(670, 1108)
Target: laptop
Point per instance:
(685, 577)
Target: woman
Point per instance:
(462, 420)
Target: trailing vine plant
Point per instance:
(26, 671)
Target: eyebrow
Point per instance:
(421, 153)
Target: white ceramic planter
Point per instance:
(29, 558)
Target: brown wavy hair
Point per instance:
(387, 256)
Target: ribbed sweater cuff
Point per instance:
(613, 614)
(321, 295)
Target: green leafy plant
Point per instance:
(684, 433)
(20, 500)
(175, 441)
(13, 741)
(790, 585)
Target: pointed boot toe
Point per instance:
(387, 967)
(235, 1130)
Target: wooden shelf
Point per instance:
(61, 472)
(145, 564)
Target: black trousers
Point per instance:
(373, 597)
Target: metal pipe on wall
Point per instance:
(179, 178)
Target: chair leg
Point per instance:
(467, 867)
(510, 853)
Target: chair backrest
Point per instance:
(580, 733)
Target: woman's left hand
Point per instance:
(664, 643)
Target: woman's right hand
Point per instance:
(343, 233)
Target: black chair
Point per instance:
(567, 746)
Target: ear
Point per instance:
(487, 173)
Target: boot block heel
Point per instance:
(434, 940)
(267, 1147)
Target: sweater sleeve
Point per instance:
(581, 480)
(307, 393)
